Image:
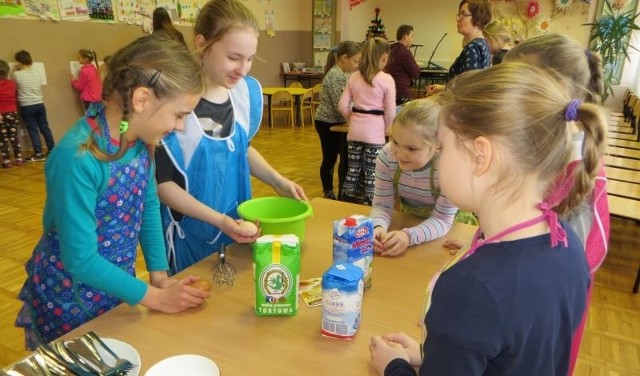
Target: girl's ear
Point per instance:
(200, 41)
(140, 99)
(483, 152)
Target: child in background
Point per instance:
(8, 118)
(162, 24)
(406, 168)
(590, 220)
(498, 37)
(340, 65)
(369, 105)
(88, 82)
(102, 172)
(516, 296)
(31, 105)
(204, 172)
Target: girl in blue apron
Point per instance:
(102, 200)
(511, 301)
(204, 172)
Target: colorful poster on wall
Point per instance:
(100, 10)
(11, 8)
(188, 11)
(128, 11)
(73, 10)
(42, 8)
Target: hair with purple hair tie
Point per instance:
(571, 113)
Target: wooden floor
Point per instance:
(611, 344)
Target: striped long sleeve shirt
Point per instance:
(414, 188)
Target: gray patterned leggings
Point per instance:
(362, 165)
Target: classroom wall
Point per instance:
(57, 43)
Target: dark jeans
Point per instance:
(35, 118)
(332, 144)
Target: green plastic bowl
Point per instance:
(277, 215)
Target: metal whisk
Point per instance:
(223, 272)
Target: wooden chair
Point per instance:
(282, 101)
(316, 97)
(295, 84)
(306, 103)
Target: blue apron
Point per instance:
(216, 173)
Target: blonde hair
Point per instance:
(420, 116)
(564, 55)
(372, 51)
(497, 34)
(218, 17)
(159, 63)
(524, 108)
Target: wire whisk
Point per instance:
(223, 272)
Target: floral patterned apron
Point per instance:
(55, 303)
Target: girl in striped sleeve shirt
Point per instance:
(406, 168)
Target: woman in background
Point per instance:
(472, 17)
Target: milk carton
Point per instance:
(353, 243)
(276, 261)
(342, 288)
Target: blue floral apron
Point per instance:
(54, 303)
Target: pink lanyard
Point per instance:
(556, 231)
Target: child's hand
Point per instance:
(383, 352)
(379, 234)
(394, 243)
(409, 344)
(176, 297)
(287, 188)
(453, 245)
(240, 234)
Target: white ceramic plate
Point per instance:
(125, 351)
(188, 364)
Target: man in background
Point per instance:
(402, 65)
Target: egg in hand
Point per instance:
(249, 227)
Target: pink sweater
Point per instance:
(368, 128)
(89, 83)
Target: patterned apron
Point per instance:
(54, 303)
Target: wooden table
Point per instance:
(301, 77)
(227, 330)
(295, 91)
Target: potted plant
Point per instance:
(609, 37)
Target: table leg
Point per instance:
(297, 108)
(269, 110)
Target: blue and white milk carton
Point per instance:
(353, 243)
(342, 289)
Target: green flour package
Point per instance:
(276, 260)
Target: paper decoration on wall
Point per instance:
(354, 3)
(73, 9)
(45, 9)
(100, 10)
(11, 8)
(268, 23)
(320, 59)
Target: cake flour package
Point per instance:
(353, 243)
(277, 274)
